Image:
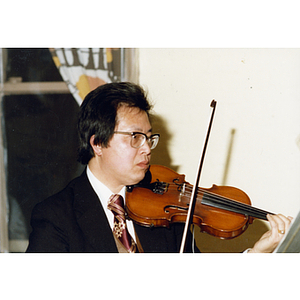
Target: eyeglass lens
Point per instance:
(138, 140)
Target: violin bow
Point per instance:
(194, 192)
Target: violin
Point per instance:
(221, 211)
(164, 197)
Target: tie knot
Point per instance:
(116, 205)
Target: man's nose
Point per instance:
(146, 148)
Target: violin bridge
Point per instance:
(182, 190)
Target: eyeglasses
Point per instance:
(138, 139)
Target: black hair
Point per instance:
(98, 113)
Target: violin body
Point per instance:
(165, 200)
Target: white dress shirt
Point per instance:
(104, 193)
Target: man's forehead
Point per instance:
(132, 117)
(125, 111)
(124, 108)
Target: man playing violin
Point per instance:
(116, 140)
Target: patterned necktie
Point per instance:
(116, 205)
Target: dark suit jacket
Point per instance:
(73, 220)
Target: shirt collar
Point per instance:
(103, 193)
(101, 189)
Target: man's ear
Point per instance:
(96, 148)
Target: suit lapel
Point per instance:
(91, 217)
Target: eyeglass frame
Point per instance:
(145, 136)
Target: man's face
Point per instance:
(120, 163)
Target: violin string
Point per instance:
(244, 208)
(218, 201)
(232, 205)
(216, 198)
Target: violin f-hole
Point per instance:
(174, 207)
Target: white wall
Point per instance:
(257, 93)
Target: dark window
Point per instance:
(31, 65)
(40, 139)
